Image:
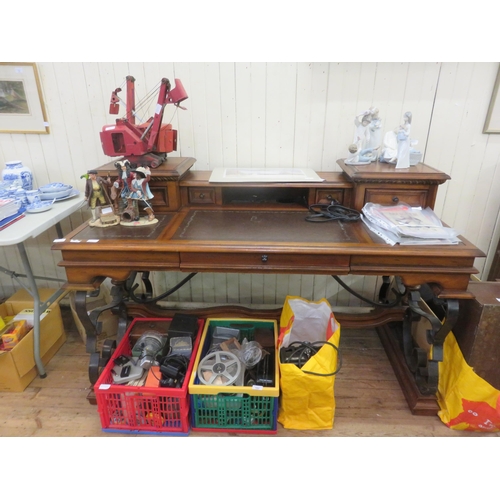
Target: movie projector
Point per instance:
(227, 360)
(144, 352)
(149, 345)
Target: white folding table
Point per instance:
(31, 226)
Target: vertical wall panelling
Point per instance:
(244, 288)
(462, 161)
(83, 137)
(258, 103)
(282, 114)
(213, 114)
(444, 139)
(307, 286)
(294, 284)
(46, 163)
(183, 119)
(232, 288)
(201, 98)
(420, 95)
(458, 146)
(244, 103)
(479, 189)
(228, 114)
(366, 87)
(304, 118)
(348, 98)
(333, 129)
(70, 150)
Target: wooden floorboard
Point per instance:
(369, 400)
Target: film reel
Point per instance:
(219, 368)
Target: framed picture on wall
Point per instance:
(22, 110)
(492, 123)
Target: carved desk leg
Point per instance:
(417, 370)
(425, 366)
(93, 327)
(90, 329)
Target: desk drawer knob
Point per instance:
(395, 199)
(202, 195)
(264, 258)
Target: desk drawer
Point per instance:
(263, 261)
(413, 197)
(201, 196)
(326, 196)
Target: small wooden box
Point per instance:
(107, 215)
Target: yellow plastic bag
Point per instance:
(467, 401)
(307, 399)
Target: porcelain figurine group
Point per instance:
(121, 199)
(396, 147)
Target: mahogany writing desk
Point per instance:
(266, 232)
(260, 241)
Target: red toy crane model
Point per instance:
(149, 142)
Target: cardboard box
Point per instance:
(28, 315)
(17, 367)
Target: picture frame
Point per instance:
(22, 110)
(492, 123)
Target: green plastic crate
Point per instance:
(236, 408)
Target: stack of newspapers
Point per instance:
(407, 225)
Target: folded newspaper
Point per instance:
(407, 225)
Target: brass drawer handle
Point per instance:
(264, 258)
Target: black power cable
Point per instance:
(173, 369)
(399, 296)
(299, 353)
(161, 296)
(322, 212)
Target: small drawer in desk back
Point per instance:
(413, 197)
(201, 195)
(326, 196)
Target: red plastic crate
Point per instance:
(146, 410)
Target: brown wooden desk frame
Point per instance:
(203, 229)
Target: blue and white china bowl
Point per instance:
(55, 187)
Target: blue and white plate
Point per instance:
(41, 206)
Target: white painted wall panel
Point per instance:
(228, 114)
